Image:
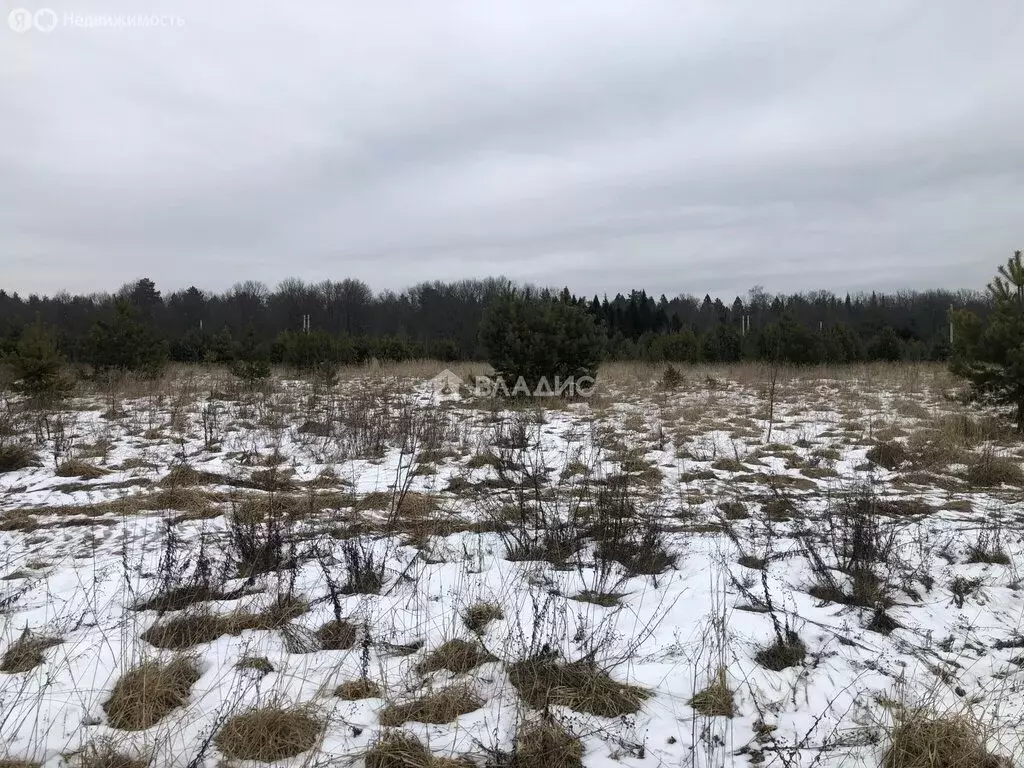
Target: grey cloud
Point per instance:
(679, 147)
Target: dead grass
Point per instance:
(259, 664)
(890, 455)
(923, 739)
(80, 469)
(403, 750)
(271, 733)
(398, 750)
(781, 654)
(442, 706)
(717, 699)
(579, 686)
(337, 635)
(180, 598)
(546, 745)
(184, 476)
(990, 469)
(148, 693)
(105, 754)
(456, 656)
(410, 504)
(604, 599)
(360, 688)
(204, 627)
(15, 456)
(27, 652)
(479, 615)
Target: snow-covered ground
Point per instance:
(757, 493)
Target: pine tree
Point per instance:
(124, 343)
(990, 353)
(536, 339)
(251, 360)
(39, 366)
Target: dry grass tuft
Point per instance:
(80, 469)
(259, 664)
(398, 750)
(456, 656)
(337, 635)
(580, 686)
(203, 627)
(184, 476)
(717, 699)
(15, 456)
(546, 745)
(479, 615)
(403, 750)
(443, 706)
(781, 654)
(268, 734)
(889, 455)
(27, 652)
(360, 688)
(106, 755)
(148, 693)
(922, 739)
(12, 763)
(180, 598)
(410, 504)
(990, 469)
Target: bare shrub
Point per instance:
(364, 571)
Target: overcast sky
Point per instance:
(676, 146)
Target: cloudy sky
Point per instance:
(675, 146)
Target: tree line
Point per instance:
(303, 325)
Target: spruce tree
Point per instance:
(990, 352)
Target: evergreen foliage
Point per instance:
(536, 337)
(990, 352)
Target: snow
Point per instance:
(668, 633)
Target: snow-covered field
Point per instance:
(664, 535)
